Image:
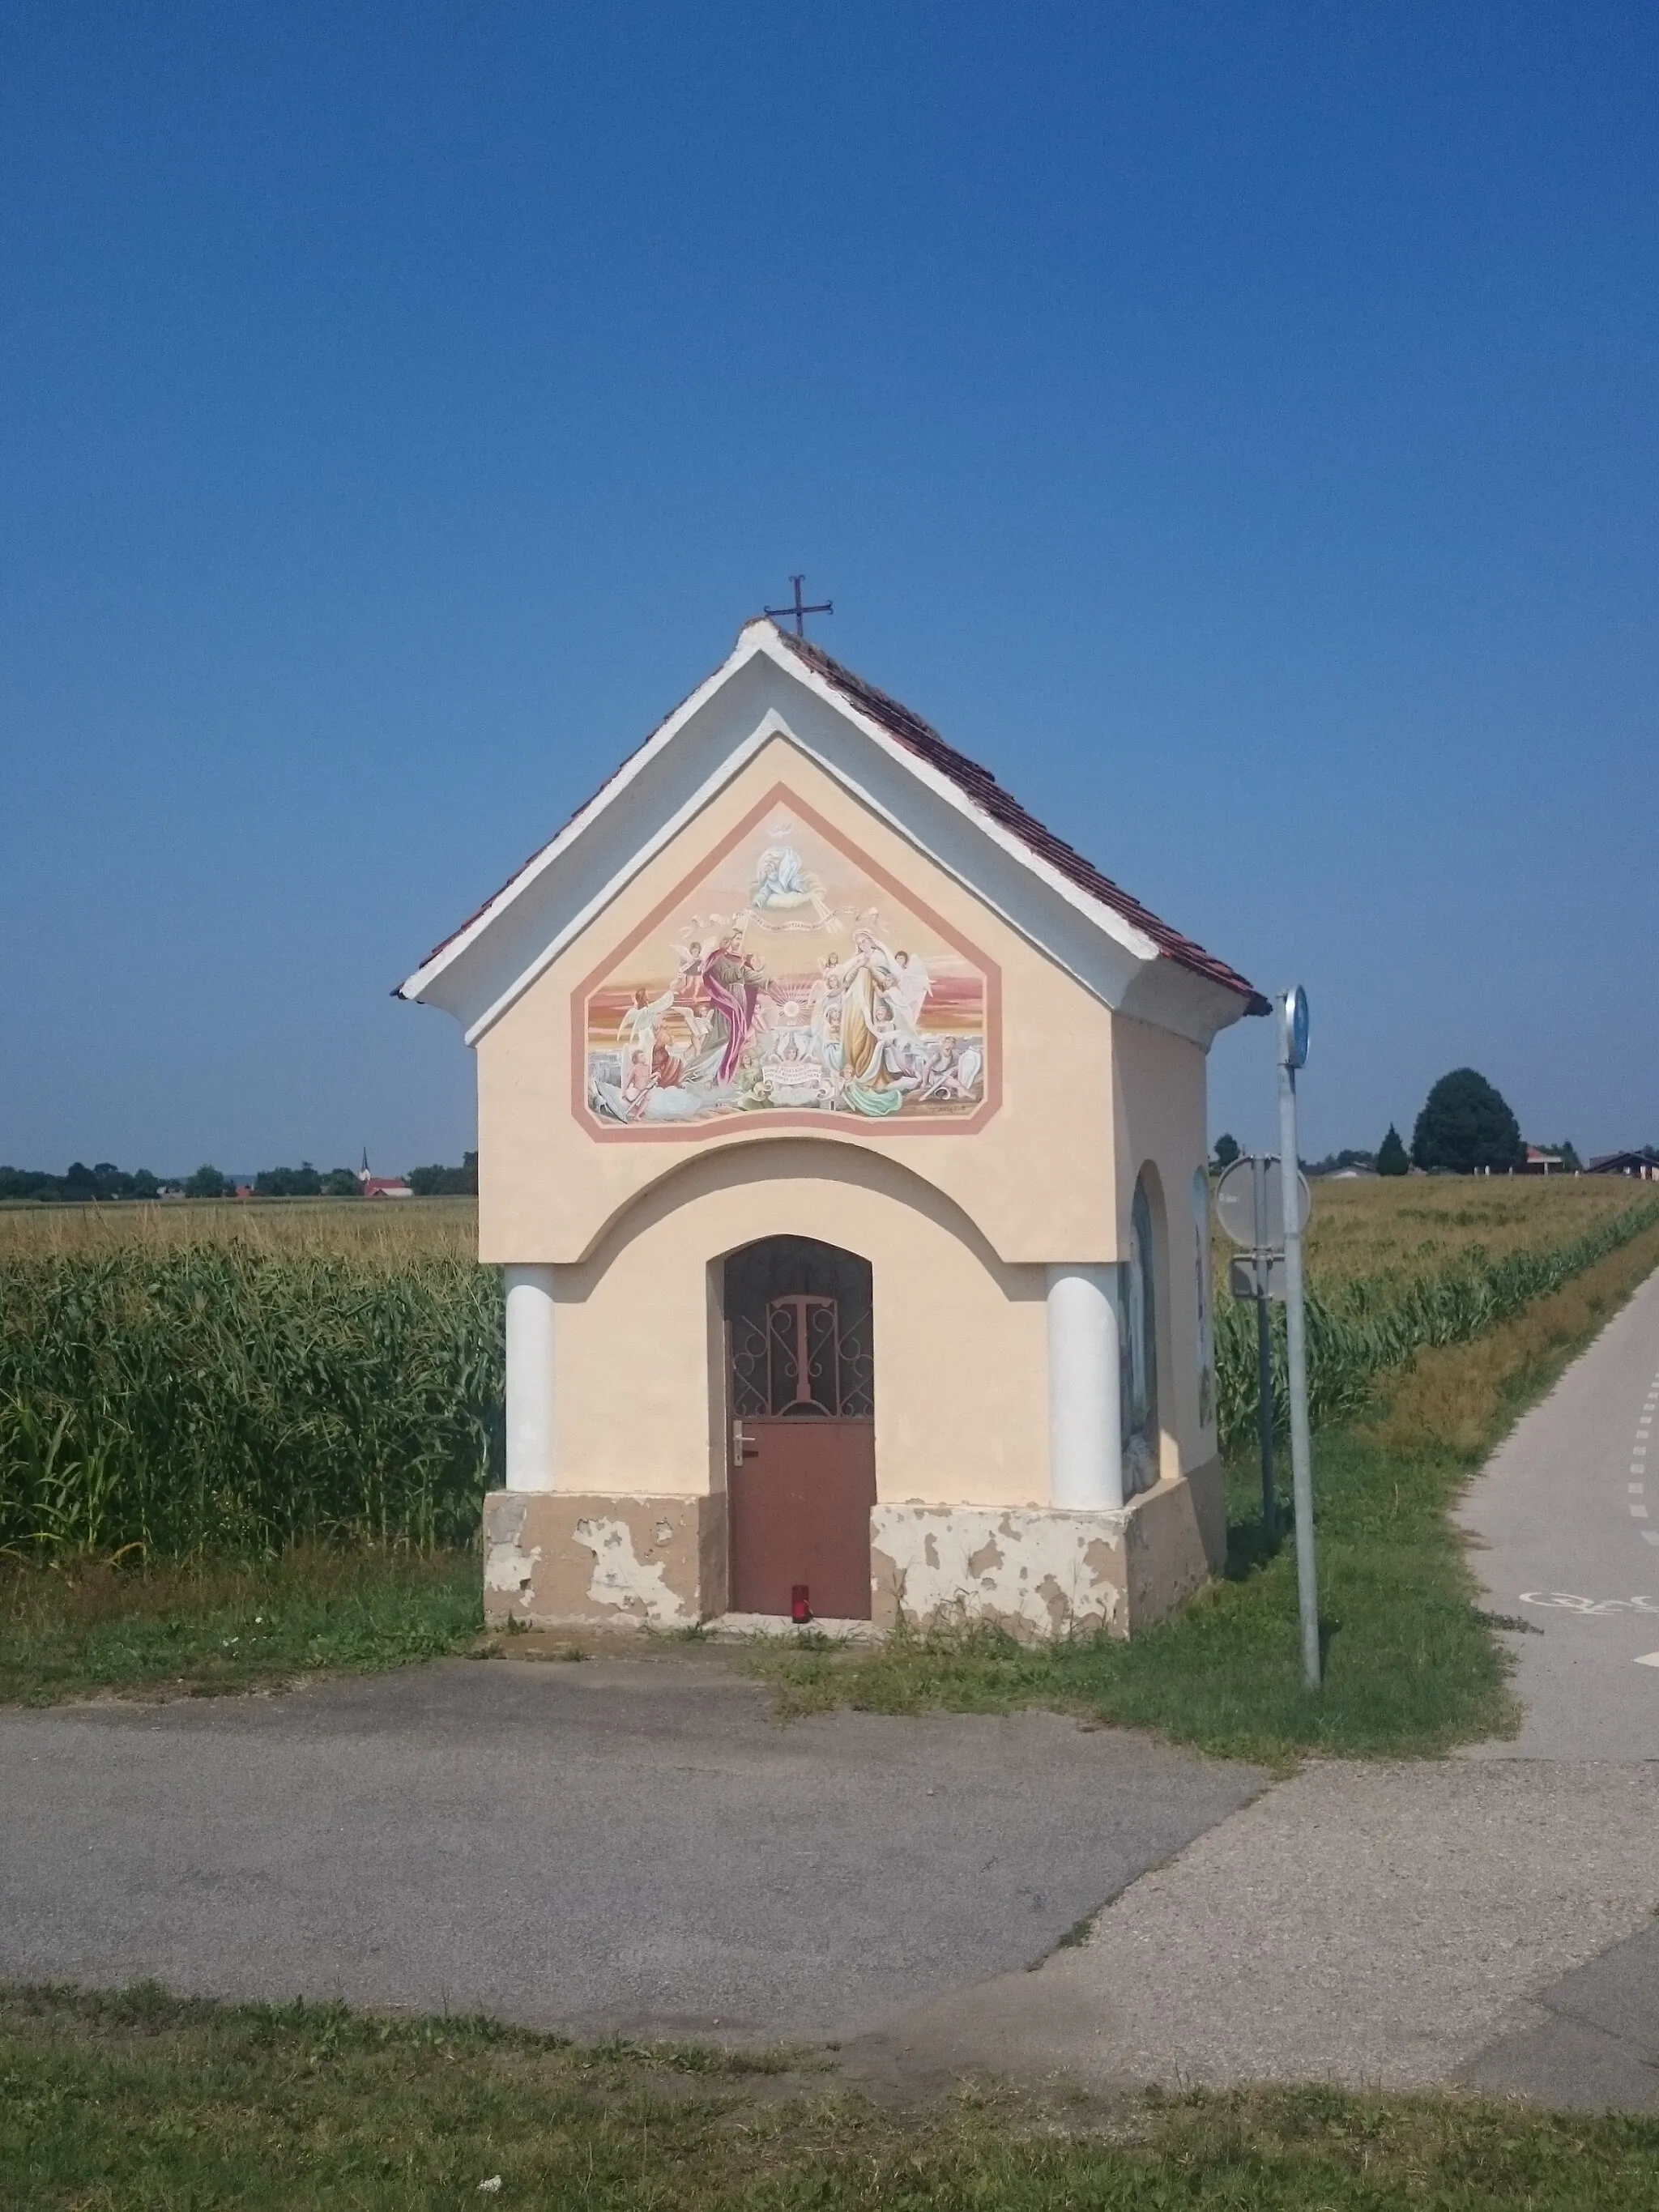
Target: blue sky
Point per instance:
(1235, 425)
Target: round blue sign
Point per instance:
(1294, 1027)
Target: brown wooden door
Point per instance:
(801, 1477)
(799, 1502)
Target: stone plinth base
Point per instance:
(1039, 1573)
(557, 1559)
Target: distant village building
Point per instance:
(1539, 1162)
(842, 1142)
(1643, 1163)
(373, 1186)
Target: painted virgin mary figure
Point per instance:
(868, 980)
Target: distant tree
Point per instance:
(446, 1182)
(207, 1182)
(80, 1182)
(1391, 1159)
(111, 1181)
(144, 1184)
(1465, 1125)
(340, 1182)
(303, 1181)
(1226, 1152)
(29, 1183)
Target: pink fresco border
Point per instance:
(727, 1125)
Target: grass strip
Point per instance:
(1411, 1667)
(88, 1627)
(138, 2100)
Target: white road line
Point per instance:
(1651, 1535)
(1649, 1659)
(1636, 1512)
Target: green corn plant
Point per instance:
(57, 1490)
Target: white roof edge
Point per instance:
(433, 966)
(946, 787)
(758, 635)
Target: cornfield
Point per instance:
(220, 1399)
(175, 1385)
(1361, 1327)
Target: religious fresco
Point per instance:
(790, 977)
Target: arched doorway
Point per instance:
(800, 1401)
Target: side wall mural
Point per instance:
(789, 976)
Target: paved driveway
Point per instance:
(630, 1844)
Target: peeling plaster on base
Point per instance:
(631, 1585)
(509, 1567)
(1036, 1573)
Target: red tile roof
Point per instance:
(987, 793)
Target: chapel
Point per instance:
(842, 1143)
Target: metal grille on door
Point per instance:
(803, 1356)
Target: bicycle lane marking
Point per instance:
(1593, 1608)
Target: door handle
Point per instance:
(743, 1447)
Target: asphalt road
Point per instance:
(1487, 1920)
(629, 1843)
(1565, 1526)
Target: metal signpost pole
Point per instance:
(1264, 1347)
(1292, 1053)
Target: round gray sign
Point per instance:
(1235, 1206)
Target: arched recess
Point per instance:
(1203, 1299)
(771, 1165)
(753, 1158)
(1146, 1379)
(961, 1394)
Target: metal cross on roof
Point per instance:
(798, 610)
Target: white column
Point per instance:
(529, 1377)
(1085, 1442)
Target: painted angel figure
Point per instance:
(907, 993)
(640, 1022)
